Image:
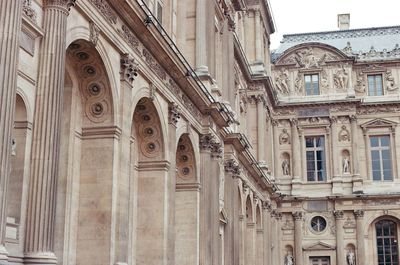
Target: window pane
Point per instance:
(309, 142)
(376, 175)
(376, 165)
(374, 141)
(385, 140)
(319, 141)
(387, 175)
(386, 154)
(310, 175)
(387, 164)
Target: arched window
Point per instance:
(386, 242)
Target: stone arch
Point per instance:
(81, 33)
(86, 158)
(371, 247)
(250, 231)
(146, 128)
(152, 185)
(19, 178)
(187, 194)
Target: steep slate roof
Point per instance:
(365, 44)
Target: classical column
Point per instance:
(39, 242)
(340, 248)
(266, 206)
(359, 214)
(10, 27)
(334, 145)
(298, 237)
(258, 37)
(261, 128)
(296, 154)
(201, 37)
(354, 147)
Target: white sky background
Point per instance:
(299, 16)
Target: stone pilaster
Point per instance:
(266, 206)
(258, 37)
(261, 129)
(296, 153)
(334, 144)
(201, 38)
(340, 248)
(10, 27)
(354, 148)
(275, 153)
(298, 237)
(39, 243)
(359, 214)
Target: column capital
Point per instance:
(338, 214)
(266, 205)
(129, 68)
(232, 166)
(64, 4)
(298, 215)
(174, 113)
(333, 119)
(216, 150)
(353, 118)
(359, 214)
(206, 141)
(294, 121)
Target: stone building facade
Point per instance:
(132, 132)
(336, 142)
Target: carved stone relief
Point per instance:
(390, 83)
(341, 79)
(282, 82)
(344, 134)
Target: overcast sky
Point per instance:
(298, 16)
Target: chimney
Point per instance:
(343, 21)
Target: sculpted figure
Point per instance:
(282, 82)
(284, 138)
(346, 165)
(286, 167)
(289, 260)
(351, 258)
(341, 78)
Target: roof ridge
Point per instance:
(339, 32)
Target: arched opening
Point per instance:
(86, 160)
(186, 204)
(259, 237)
(151, 171)
(250, 232)
(387, 247)
(16, 197)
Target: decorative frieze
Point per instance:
(106, 10)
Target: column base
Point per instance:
(3, 255)
(41, 258)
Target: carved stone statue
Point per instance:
(289, 260)
(341, 79)
(13, 147)
(351, 258)
(346, 165)
(282, 82)
(284, 137)
(286, 167)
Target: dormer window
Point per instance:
(311, 82)
(375, 85)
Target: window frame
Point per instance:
(311, 75)
(395, 239)
(380, 150)
(316, 149)
(374, 75)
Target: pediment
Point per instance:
(319, 246)
(378, 123)
(311, 55)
